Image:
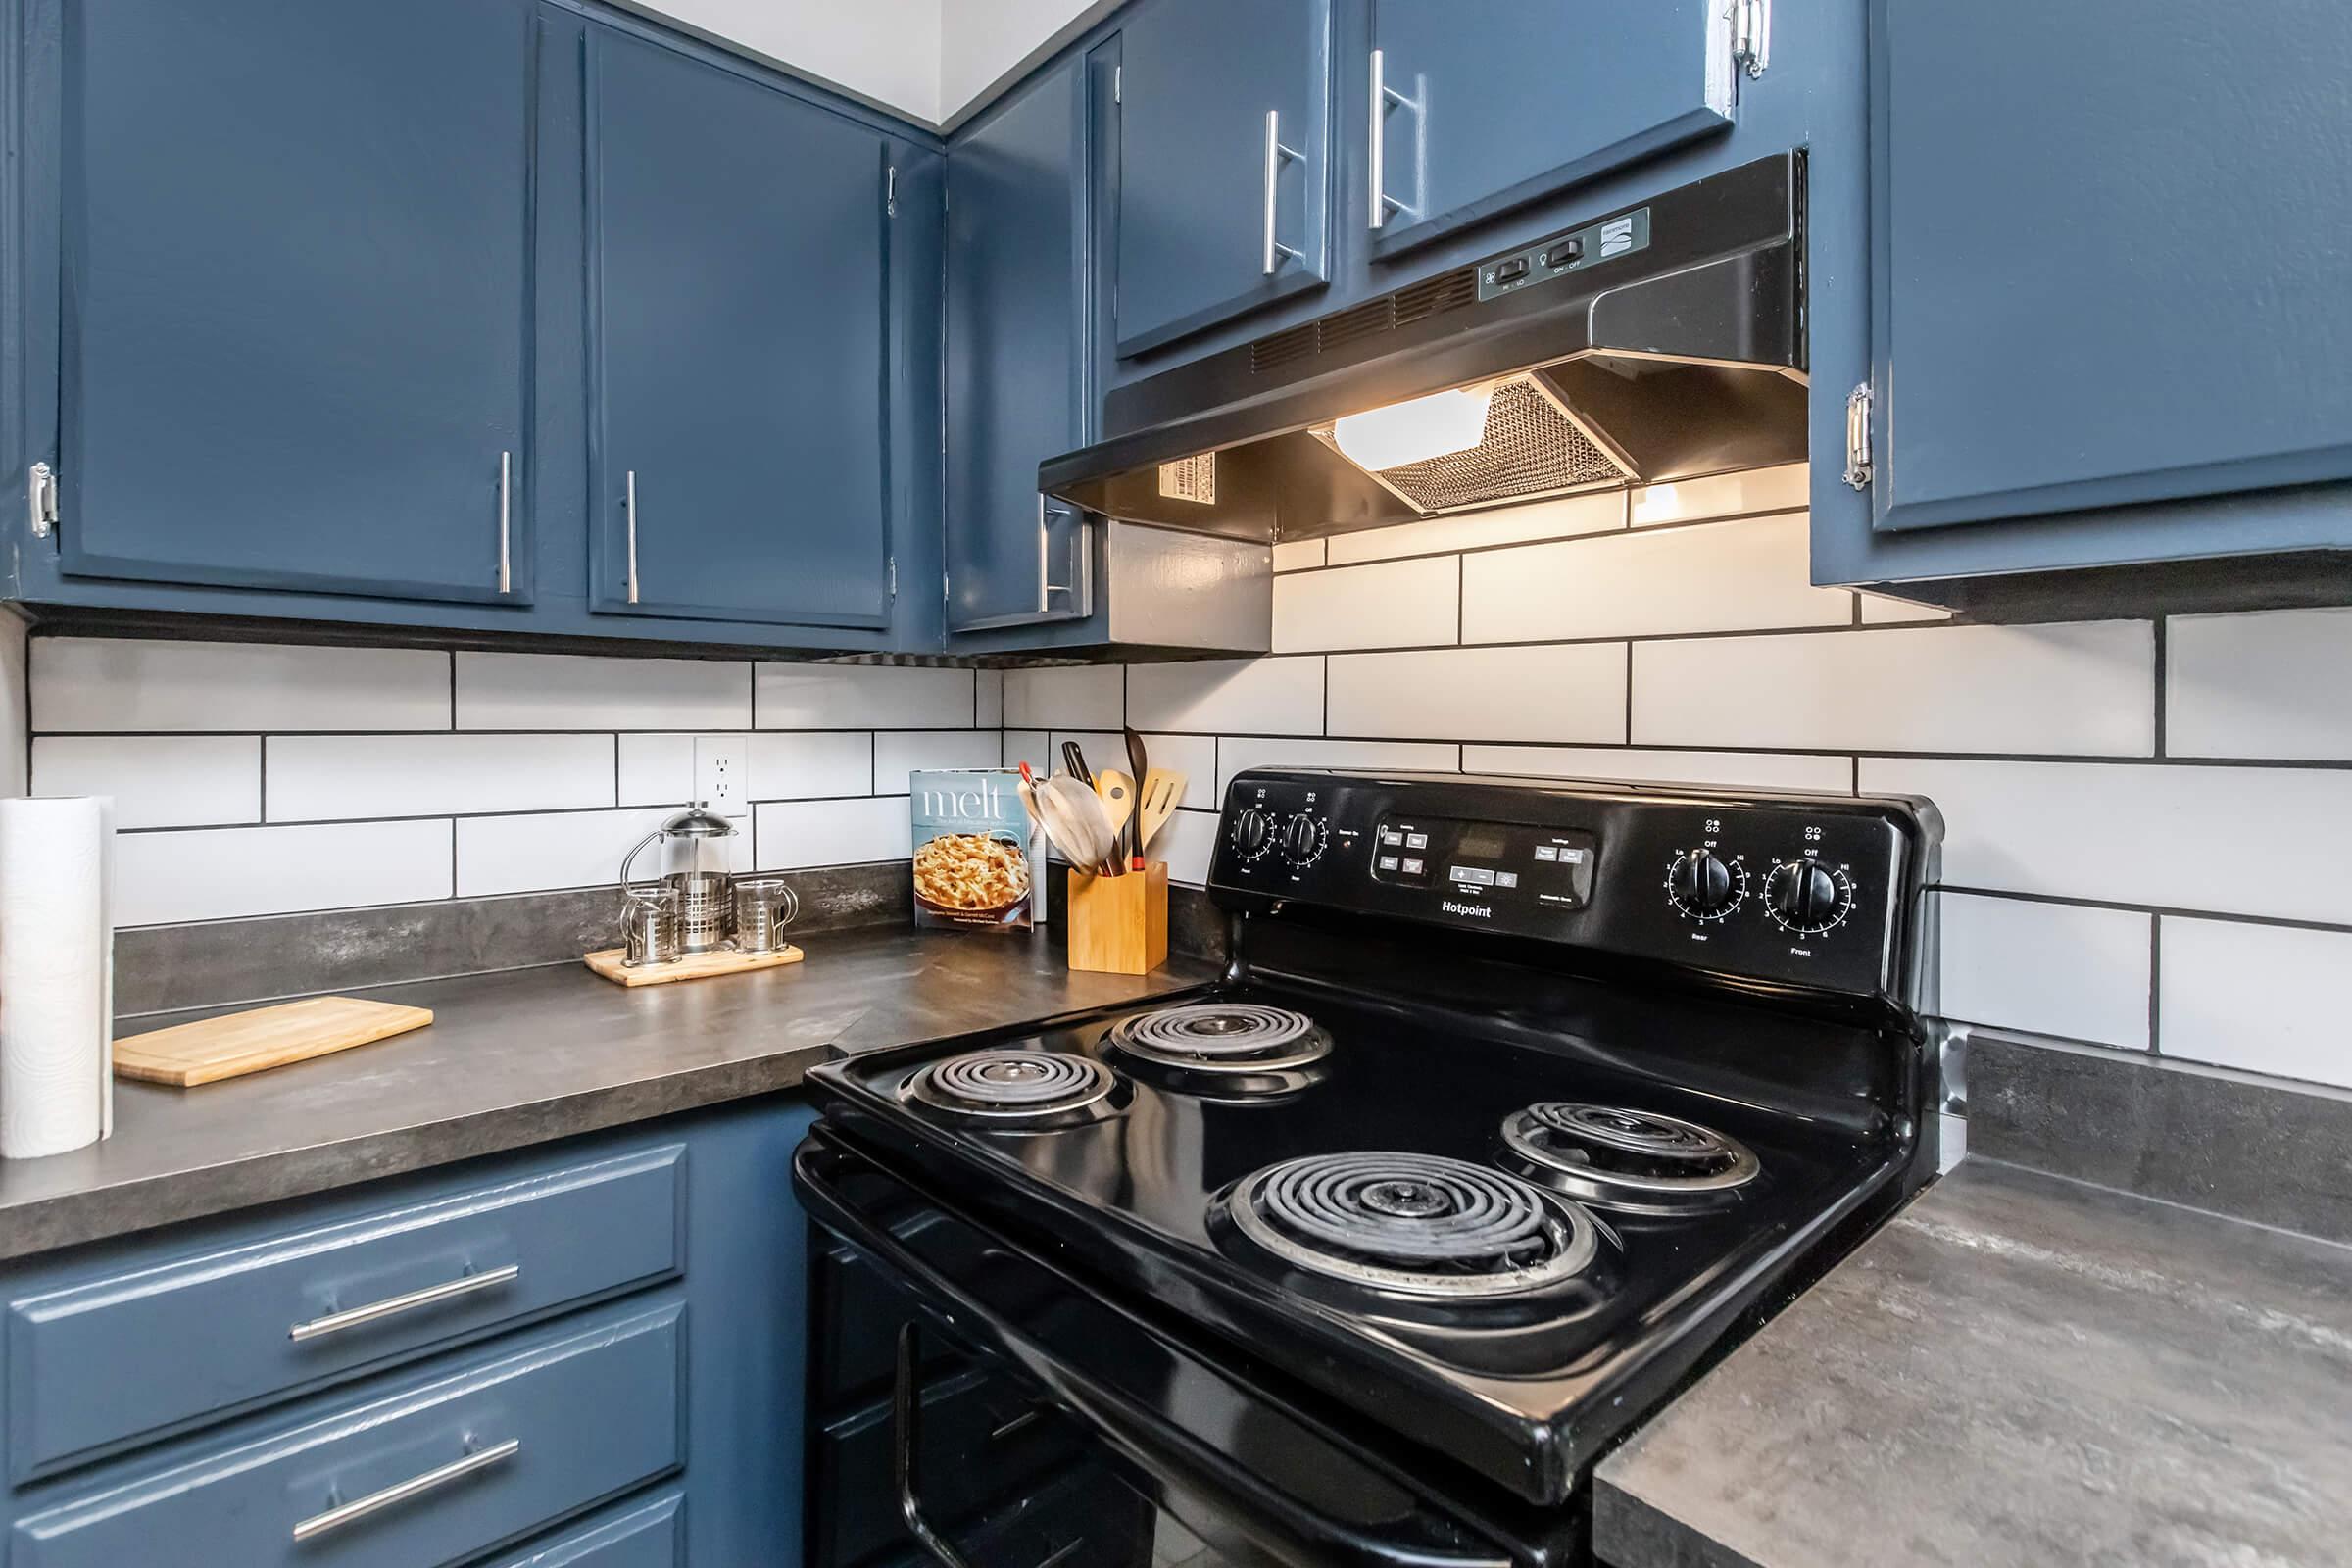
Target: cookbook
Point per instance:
(976, 852)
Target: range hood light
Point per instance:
(1415, 431)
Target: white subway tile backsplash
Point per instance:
(1573, 692)
(1196, 757)
(1832, 775)
(310, 778)
(576, 692)
(655, 770)
(1395, 603)
(797, 835)
(1735, 576)
(2084, 689)
(157, 780)
(2264, 999)
(544, 851)
(2048, 968)
(861, 697)
(1557, 519)
(1032, 746)
(1186, 843)
(1724, 495)
(2268, 685)
(226, 873)
(789, 766)
(83, 684)
(901, 753)
(1075, 696)
(1297, 555)
(1247, 696)
(2230, 840)
(988, 699)
(1234, 754)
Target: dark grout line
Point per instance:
(2068, 900)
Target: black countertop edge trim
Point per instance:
(1629, 1531)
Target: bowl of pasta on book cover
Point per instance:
(975, 850)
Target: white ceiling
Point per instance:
(929, 60)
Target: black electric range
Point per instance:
(1518, 1103)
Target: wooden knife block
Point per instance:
(1119, 924)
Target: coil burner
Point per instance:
(1024, 1085)
(1636, 1162)
(1415, 1223)
(1222, 1037)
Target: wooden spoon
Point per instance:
(1116, 791)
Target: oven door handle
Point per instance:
(905, 1440)
(1144, 1443)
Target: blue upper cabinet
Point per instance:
(740, 345)
(2107, 286)
(283, 254)
(1225, 185)
(1473, 112)
(1019, 306)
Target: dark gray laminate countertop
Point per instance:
(2018, 1369)
(526, 1057)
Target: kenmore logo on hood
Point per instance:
(1479, 912)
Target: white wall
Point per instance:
(925, 59)
(2144, 846)
(887, 51)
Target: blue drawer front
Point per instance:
(642, 1532)
(147, 1352)
(591, 1414)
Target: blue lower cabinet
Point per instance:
(200, 1395)
(224, 1330)
(429, 1475)
(641, 1533)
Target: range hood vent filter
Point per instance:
(1530, 449)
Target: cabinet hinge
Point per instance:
(1117, 83)
(894, 577)
(1857, 437)
(1751, 35)
(889, 191)
(40, 497)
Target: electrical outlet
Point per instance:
(723, 778)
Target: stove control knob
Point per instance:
(1807, 898)
(1302, 839)
(1252, 834)
(1704, 886)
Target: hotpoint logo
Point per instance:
(1477, 911)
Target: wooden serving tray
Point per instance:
(694, 967)
(238, 1043)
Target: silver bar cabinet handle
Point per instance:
(394, 1306)
(1384, 99)
(629, 500)
(505, 475)
(1045, 555)
(1276, 155)
(319, 1524)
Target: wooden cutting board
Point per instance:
(238, 1043)
(694, 967)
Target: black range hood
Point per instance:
(1661, 341)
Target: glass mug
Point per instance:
(763, 907)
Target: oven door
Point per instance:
(1030, 1422)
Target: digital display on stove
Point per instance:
(1487, 860)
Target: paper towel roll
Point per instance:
(57, 962)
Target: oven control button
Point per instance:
(1807, 898)
(1252, 834)
(1703, 886)
(1303, 836)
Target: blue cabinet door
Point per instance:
(1474, 110)
(1017, 317)
(292, 257)
(740, 344)
(1224, 161)
(2108, 258)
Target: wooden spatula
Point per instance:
(1162, 788)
